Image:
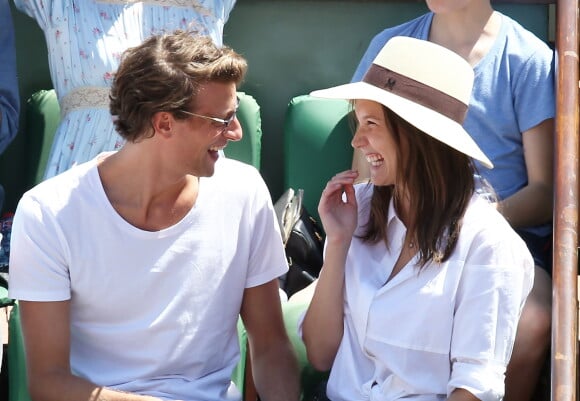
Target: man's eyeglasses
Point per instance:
(225, 123)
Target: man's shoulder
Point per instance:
(57, 191)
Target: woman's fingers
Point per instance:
(332, 195)
(340, 182)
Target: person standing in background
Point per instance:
(9, 98)
(511, 117)
(85, 40)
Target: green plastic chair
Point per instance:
(310, 378)
(317, 135)
(17, 379)
(4, 300)
(249, 148)
(42, 118)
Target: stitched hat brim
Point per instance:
(429, 121)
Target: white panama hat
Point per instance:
(425, 84)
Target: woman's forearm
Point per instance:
(322, 328)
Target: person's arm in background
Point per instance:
(9, 98)
(532, 205)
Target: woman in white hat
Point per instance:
(512, 120)
(423, 282)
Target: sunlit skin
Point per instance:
(374, 140)
(153, 183)
(199, 140)
(468, 27)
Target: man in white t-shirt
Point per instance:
(131, 269)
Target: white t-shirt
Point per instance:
(152, 312)
(426, 332)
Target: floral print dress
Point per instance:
(85, 40)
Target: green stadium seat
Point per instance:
(249, 149)
(42, 118)
(317, 135)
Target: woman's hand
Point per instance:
(338, 214)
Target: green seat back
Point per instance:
(239, 373)
(42, 118)
(17, 378)
(317, 135)
(249, 148)
(310, 378)
(4, 300)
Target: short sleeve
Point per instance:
(267, 257)
(497, 278)
(534, 89)
(38, 267)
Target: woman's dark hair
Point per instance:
(439, 181)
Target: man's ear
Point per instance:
(162, 122)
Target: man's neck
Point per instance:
(143, 193)
(469, 32)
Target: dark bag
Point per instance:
(303, 240)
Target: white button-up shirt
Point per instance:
(429, 331)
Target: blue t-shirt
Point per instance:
(513, 92)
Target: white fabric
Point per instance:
(427, 332)
(152, 312)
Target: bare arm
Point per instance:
(46, 331)
(323, 326)
(532, 205)
(274, 364)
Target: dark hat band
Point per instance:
(416, 91)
